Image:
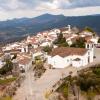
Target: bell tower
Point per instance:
(90, 47)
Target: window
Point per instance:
(87, 45)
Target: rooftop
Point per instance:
(24, 61)
(67, 51)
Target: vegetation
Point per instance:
(39, 67)
(90, 30)
(6, 98)
(7, 81)
(61, 41)
(30, 46)
(14, 57)
(47, 49)
(96, 70)
(63, 89)
(80, 43)
(37, 58)
(6, 68)
(87, 83)
(47, 94)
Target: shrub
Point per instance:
(96, 71)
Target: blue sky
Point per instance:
(30, 8)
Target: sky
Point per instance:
(10, 9)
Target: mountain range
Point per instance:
(17, 29)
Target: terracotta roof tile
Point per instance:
(67, 51)
(34, 50)
(24, 61)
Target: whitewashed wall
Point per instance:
(57, 62)
(26, 66)
(60, 62)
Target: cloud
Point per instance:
(51, 4)
(69, 4)
(29, 8)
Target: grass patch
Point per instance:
(7, 81)
(6, 98)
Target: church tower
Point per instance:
(69, 29)
(90, 47)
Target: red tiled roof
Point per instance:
(24, 61)
(13, 51)
(39, 49)
(66, 51)
(89, 42)
(87, 38)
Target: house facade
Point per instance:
(25, 64)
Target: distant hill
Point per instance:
(16, 29)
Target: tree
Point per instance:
(39, 69)
(61, 41)
(14, 57)
(80, 43)
(96, 71)
(47, 49)
(30, 46)
(89, 29)
(88, 81)
(6, 68)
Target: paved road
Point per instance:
(35, 90)
(50, 78)
(25, 92)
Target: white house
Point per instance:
(37, 52)
(46, 43)
(94, 40)
(57, 31)
(25, 64)
(86, 33)
(62, 57)
(24, 49)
